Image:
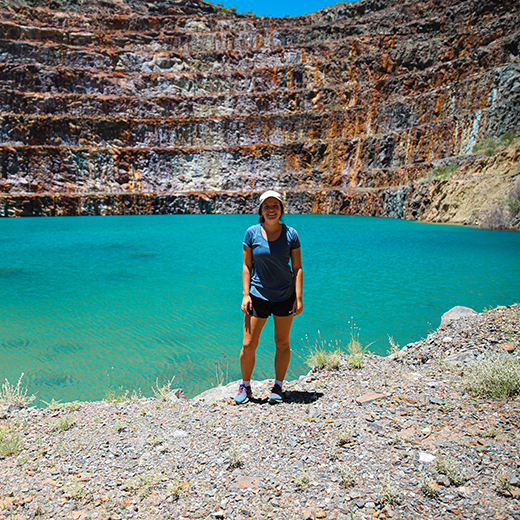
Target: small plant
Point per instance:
(222, 370)
(357, 352)
(395, 348)
(429, 488)
(302, 481)
(333, 451)
(234, 456)
(491, 432)
(346, 477)
(119, 426)
(73, 406)
(141, 485)
(15, 395)
(448, 467)
(324, 355)
(162, 391)
(64, 423)
(112, 396)
(497, 376)
(10, 443)
(441, 172)
(75, 489)
(503, 482)
(513, 201)
(344, 437)
(388, 494)
(175, 489)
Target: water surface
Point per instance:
(96, 304)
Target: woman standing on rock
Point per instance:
(272, 281)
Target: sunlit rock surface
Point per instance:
(127, 106)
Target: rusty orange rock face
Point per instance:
(172, 107)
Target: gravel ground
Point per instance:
(397, 438)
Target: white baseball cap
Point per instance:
(268, 194)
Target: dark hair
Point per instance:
(262, 219)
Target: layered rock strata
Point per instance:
(131, 107)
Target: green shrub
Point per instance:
(497, 376)
(491, 146)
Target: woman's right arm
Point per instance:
(247, 269)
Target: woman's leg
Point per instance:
(252, 329)
(282, 330)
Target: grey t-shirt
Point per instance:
(272, 278)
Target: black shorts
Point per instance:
(264, 309)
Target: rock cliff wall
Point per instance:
(125, 106)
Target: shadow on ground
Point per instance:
(292, 396)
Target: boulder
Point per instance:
(456, 313)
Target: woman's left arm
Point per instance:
(296, 262)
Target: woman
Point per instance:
(270, 286)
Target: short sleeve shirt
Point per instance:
(272, 278)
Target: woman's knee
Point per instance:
(249, 345)
(282, 344)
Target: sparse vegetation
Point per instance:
(495, 218)
(234, 456)
(15, 395)
(503, 482)
(513, 201)
(222, 370)
(395, 348)
(175, 489)
(324, 356)
(429, 488)
(388, 494)
(491, 146)
(441, 172)
(344, 437)
(58, 405)
(356, 352)
(302, 480)
(346, 476)
(121, 396)
(448, 467)
(10, 443)
(63, 424)
(162, 391)
(497, 376)
(141, 485)
(321, 359)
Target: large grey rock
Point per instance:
(456, 313)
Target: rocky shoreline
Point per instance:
(398, 438)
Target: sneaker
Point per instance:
(276, 395)
(244, 393)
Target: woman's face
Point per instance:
(271, 209)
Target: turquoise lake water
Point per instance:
(90, 305)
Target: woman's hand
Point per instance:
(298, 307)
(247, 304)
